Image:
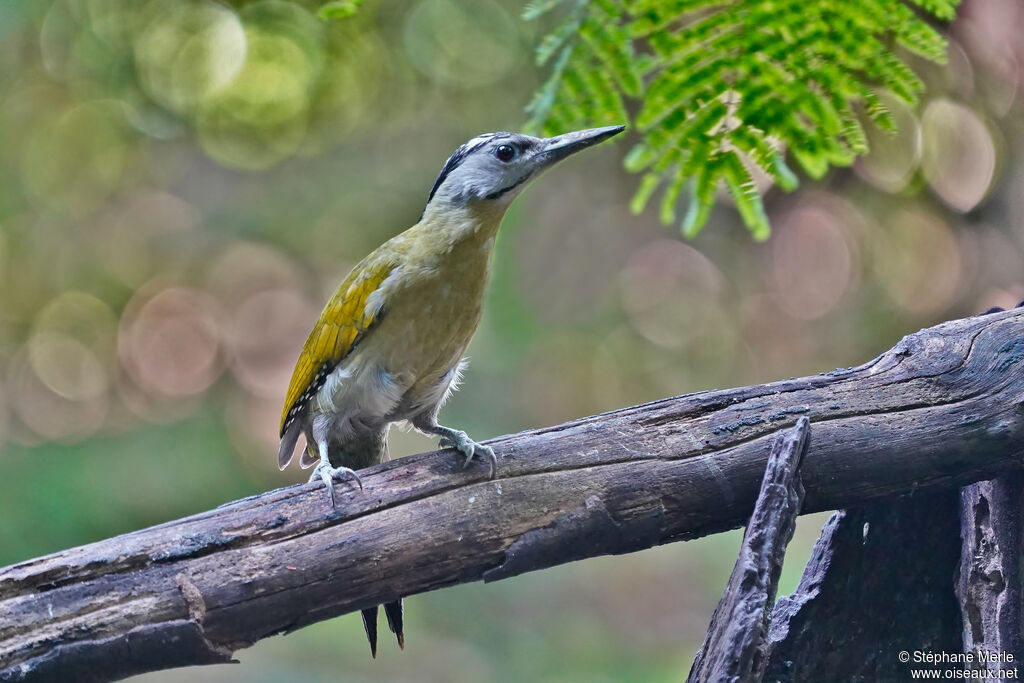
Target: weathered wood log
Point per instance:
(879, 582)
(989, 583)
(943, 408)
(734, 648)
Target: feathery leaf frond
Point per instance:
(726, 88)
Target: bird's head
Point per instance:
(495, 167)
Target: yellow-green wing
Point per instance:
(341, 325)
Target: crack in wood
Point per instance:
(575, 535)
(193, 598)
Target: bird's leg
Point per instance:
(460, 441)
(324, 471)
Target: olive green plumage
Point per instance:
(389, 345)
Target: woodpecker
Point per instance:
(388, 347)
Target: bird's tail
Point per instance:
(395, 615)
(287, 447)
(370, 626)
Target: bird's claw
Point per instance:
(328, 474)
(461, 442)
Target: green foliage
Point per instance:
(726, 87)
(339, 9)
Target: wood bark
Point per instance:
(734, 648)
(879, 582)
(943, 408)
(989, 582)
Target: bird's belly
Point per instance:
(359, 393)
(426, 356)
(398, 372)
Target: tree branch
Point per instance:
(734, 648)
(943, 408)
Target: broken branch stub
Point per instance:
(734, 648)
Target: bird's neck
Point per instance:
(469, 224)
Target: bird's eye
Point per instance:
(505, 152)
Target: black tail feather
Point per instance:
(395, 614)
(370, 626)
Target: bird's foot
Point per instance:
(329, 474)
(461, 442)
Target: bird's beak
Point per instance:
(559, 147)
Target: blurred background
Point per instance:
(183, 184)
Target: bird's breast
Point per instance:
(430, 306)
(431, 314)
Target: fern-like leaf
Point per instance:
(726, 86)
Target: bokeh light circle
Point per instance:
(264, 334)
(812, 262)
(81, 316)
(670, 292)
(892, 158)
(188, 51)
(170, 343)
(76, 158)
(466, 45)
(959, 159)
(66, 366)
(47, 413)
(918, 261)
(260, 119)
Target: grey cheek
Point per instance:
(469, 190)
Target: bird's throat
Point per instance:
(463, 225)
